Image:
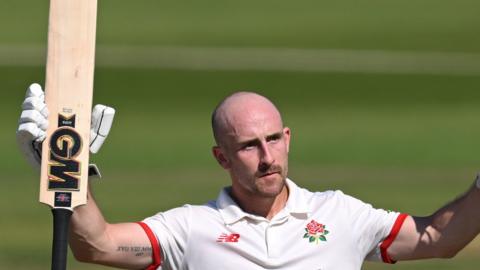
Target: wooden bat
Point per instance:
(68, 95)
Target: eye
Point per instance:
(249, 146)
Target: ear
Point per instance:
(286, 137)
(220, 157)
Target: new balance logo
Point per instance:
(228, 238)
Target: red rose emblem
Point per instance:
(315, 232)
(314, 227)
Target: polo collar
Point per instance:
(296, 205)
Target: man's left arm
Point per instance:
(442, 234)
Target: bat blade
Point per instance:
(68, 95)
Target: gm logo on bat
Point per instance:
(65, 144)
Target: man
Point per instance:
(263, 220)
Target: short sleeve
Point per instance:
(373, 228)
(171, 229)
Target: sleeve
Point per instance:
(168, 233)
(374, 229)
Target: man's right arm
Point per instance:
(93, 240)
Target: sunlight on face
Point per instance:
(254, 144)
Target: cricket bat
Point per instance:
(68, 95)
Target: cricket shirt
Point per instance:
(315, 230)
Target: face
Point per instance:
(254, 150)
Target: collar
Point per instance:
(296, 206)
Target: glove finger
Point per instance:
(35, 90)
(31, 132)
(102, 119)
(35, 117)
(35, 103)
(29, 138)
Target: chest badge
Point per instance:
(315, 232)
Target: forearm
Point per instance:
(442, 234)
(457, 223)
(87, 230)
(93, 240)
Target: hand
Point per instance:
(33, 125)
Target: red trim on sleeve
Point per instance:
(157, 259)
(391, 237)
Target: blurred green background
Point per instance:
(382, 98)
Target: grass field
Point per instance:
(399, 134)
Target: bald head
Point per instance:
(242, 108)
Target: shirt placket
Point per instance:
(273, 237)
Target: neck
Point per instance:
(259, 205)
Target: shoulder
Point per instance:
(187, 211)
(301, 192)
(327, 196)
(332, 200)
(343, 201)
(329, 201)
(331, 196)
(182, 219)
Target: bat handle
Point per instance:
(61, 220)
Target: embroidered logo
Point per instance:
(315, 232)
(228, 238)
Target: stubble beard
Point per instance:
(270, 186)
(257, 186)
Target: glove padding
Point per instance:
(33, 124)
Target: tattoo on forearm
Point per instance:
(136, 250)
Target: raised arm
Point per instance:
(442, 234)
(92, 239)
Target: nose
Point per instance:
(266, 157)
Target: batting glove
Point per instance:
(33, 124)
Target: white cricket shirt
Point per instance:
(322, 230)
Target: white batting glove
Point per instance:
(33, 125)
